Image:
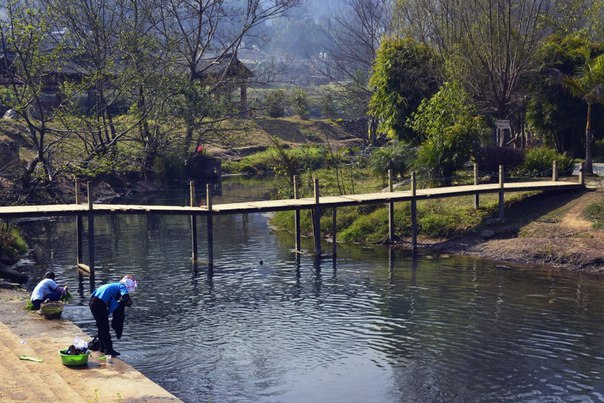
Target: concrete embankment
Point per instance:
(26, 334)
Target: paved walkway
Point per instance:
(27, 333)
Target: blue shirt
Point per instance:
(110, 294)
(43, 288)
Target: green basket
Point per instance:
(52, 309)
(71, 360)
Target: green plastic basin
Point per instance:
(74, 360)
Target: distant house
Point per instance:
(51, 79)
(226, 72)
(229, 72)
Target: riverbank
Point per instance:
(25, 333)
(549, 230)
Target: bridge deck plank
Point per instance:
(283, 204)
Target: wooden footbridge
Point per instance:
(315, 204)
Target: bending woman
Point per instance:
(110, 299)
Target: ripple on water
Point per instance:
(438, 330)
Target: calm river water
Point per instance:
(369, 328)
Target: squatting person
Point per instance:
(47, 289)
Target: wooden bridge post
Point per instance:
(90, 235)
(317, 220)
(79, 223)
(297, 246)
(555, 171)
(210, 225)
(501, 191)
(476, 195)
(334, 231)
(582, 173)
(390, 210)
(413, 212)
(192, 203)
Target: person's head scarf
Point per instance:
(130, 282)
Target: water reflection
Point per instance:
(267, 325)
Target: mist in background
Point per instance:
(293, 45)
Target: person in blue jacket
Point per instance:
(111, 299)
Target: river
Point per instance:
(374, 326)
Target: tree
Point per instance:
(449, 128)
(151, 86)
(553, 113)
(193, 30)
(404, 73)
(107, 44)
(90, 34)
(29, 70)
(300, 102)
(354, 33)
(490, 45)
(569, 17)
(588, 84)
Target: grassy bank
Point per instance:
(595, 214)
(437, 219)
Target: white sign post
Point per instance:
(502, 125)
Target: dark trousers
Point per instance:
(53, 296)
(100, 313)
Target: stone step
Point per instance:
(51, 380)
(35, 373)
(19, 382)
(62, 374)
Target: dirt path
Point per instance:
(555, 234)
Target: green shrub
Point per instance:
(282, 161)
(168, 167)
(595, 214)
(276, 103)
(367, 228)
(538, 162)
(450, 127)
(396, 156)
(29, 306)
(328, 108)
(598, 150)
(300, 102)
(490, 158)
(12, 243)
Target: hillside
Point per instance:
(235, 138)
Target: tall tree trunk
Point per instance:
(588, 162)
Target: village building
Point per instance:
(229, 74)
